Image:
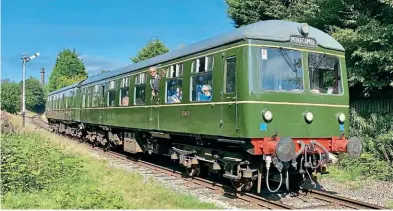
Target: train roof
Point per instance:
(272, 30)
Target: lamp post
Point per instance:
(24, 61)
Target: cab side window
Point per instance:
(174, 83)
(111, 93)
(202, 79)
(140, 88)
(124, 85)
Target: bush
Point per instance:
(38, 175)
(376, 162)
(376, 132)
(367, 166)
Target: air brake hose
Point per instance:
(300, 151)
(323, 148)
(268, 162)
(267, 182)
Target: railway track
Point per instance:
(328, 201)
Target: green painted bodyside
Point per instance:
(219, 117)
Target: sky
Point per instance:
(104, 33)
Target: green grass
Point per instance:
(389, 204)
(42, 171)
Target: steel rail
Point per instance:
(333, 200)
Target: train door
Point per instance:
(229, 94)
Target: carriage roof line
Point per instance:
(262, 30)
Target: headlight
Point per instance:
(341, 117)
(308, 116)
(268, 115)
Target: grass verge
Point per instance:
(43, 171)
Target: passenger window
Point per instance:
(140, 88)
(124, 85)
(66, 99)
(111, 93)
(61, 101)
(230, 75)
(202, 79)
(84, 98)
(88, 104)
(174, 84)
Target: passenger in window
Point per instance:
(206, 93)
(176, 98)
(154, 82)
(124, 101)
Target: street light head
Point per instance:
(34, 56)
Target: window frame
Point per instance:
(225, 74)
(174, 72)
(124, 84)
(194, 72)
(340, 71)
(259, 73)
(140, 80)
(111, 89)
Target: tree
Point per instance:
(10, 97)
(364, 28)
(35, 97)
(69, 69)
(153, 48)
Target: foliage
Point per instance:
(35, 97)
(376, 131)
(10, 97)
(364, 28)
(44, 171)
(376, 161)
(68, 69)
(35, 176)
(367, 166)
(153, 48)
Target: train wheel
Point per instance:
(195, 170)
(244, 184)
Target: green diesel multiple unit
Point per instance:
(270, 93)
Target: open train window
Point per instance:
(124, 86)
(111, 93)
(325, 74)
(203, 64)
(202, 79)
(140, 89)
(230, 75)
(174, 84)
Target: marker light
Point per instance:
(309, 116)
(341, 117)
(304, 29)
(268, 115)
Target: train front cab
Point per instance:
(297, 104)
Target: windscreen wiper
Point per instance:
(288, 60)
(317, 63)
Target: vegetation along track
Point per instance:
(330, 200)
